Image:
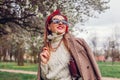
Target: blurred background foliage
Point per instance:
(22, 24)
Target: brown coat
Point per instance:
(84, 58)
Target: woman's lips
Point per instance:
(60, 27)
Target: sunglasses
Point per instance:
(57, 21)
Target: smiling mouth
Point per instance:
(60, 27)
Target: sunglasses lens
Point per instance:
(57, 21)
(64, 22)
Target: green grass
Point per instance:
(16, 76)
(13, 65)
(106, 68)
(109, 70)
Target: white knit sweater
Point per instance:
(57, 66)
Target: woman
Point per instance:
(59, 48)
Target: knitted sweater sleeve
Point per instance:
(44, 70)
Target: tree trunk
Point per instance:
(4, 54)
(20, 57)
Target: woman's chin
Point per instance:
(60, 32)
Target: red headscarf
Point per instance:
(57, 12)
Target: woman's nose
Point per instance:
(60, 22)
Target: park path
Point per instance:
(35, 73)
(19, 71)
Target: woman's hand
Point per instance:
(45, 55)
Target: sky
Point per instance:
(103, 26)
(110, 17)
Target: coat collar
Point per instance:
(68, 36)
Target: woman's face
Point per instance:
(58, 24)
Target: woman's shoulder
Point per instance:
(74, 37)
(79, 40)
